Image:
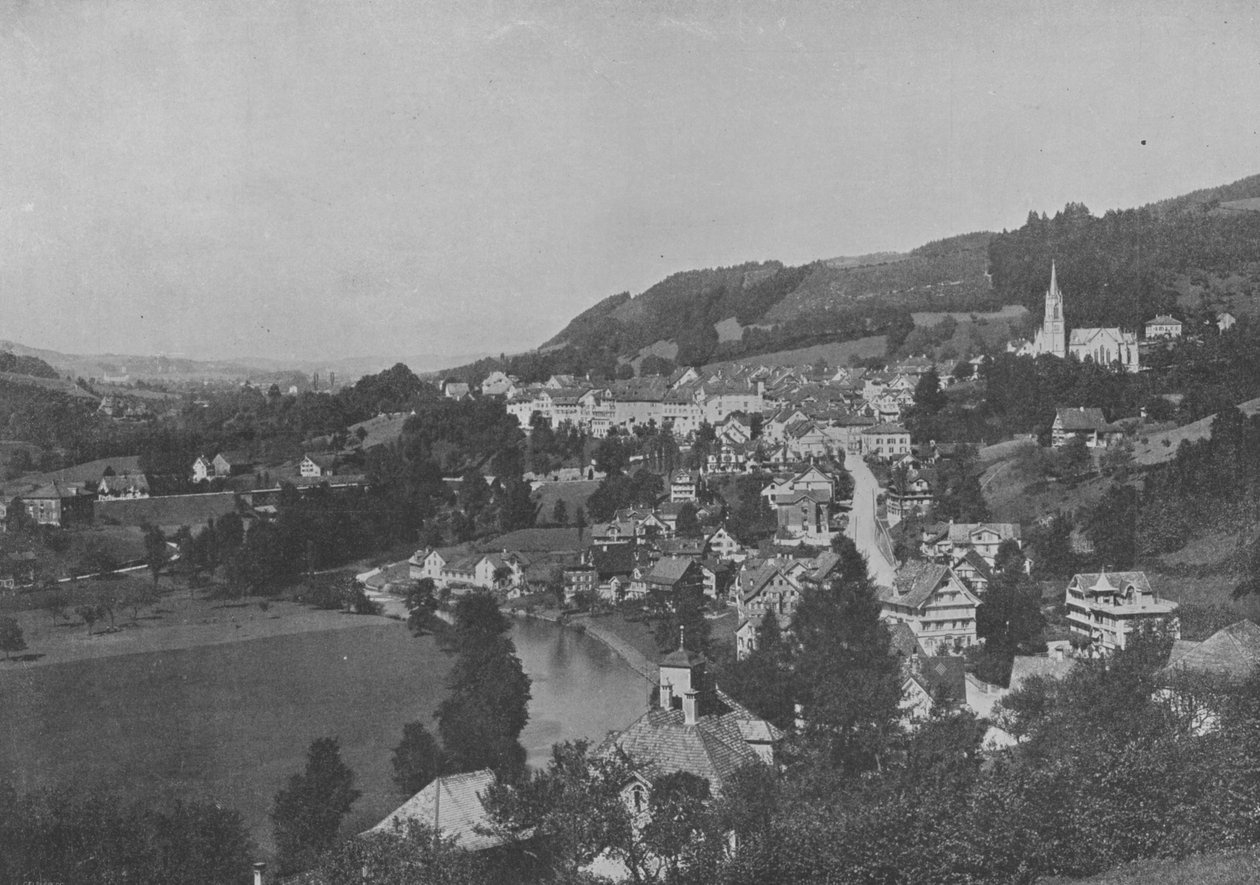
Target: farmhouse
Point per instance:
(935, 603)
(1085, 424)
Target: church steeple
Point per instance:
(1053, 338)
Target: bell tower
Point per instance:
(1053, 332)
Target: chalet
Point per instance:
(935, 603)
(885, 440)
(685, 486)
(1225, 322)
(317, 465)
(947, 542)
(928, 683)
(1104, 608)
(1087, 424)
(128, 485)
(672, 575)
(913, 496)
(735, 430)
(777, 424)
(805, 439)
(974, 570)
(729, 458)
(1163, 326)
(771, 587)
(723, 545)
(812, 479)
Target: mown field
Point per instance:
(226, 723)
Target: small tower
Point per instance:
(1053, 332)
(681, 673)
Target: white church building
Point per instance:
(1103, 346)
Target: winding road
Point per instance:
(862, 521)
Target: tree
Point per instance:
(97, 561)
(418, 759)
(487, 705)
(579, 521)
(687, 525)
(55, 603)
(847, 682)
(611, 456)
(90, 615)
(560, 512)
(309, 810)
(156, 552)
(136, 597)
(421, 604)
(1113, 527)
(762, 682)
(11, 639)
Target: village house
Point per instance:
(669, 576)
(930, 684)
(463, 573)
(685, 486)
(452, 806)
(913, 496)
(1199, 676)
(498, 384)
(947, 542)
(57, 504)
(1087, 424)
(452, 389)
(935, 603)
(804, 515)
(694, 727)
(768, 587)
(723, 545)
(1103, 609)
(885, 441)
(1225, 322)
(202, 469)
(735, 430)
(127, 485)
(1163, 326)
(232, 463)
(313, 466)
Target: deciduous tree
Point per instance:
(309, 810)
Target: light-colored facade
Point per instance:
(937, 606)
(1107, 607)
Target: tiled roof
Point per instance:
(669, 570)
(458, 813)
(915, 583)
(1080, 419)
(886, 428)
(1112, 582)
(946, 674)
(1233, 651)
(714, 748)
(902, 641)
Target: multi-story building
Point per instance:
(1107, 607)
(935, 604)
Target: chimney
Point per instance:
(690, 704)
(667, 696)
(259, 866)
(1058, 653)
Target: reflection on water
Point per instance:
(580, 688)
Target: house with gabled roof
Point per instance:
(1199, 677)
(202, 469)
(948, 542)
(317, 465)
(930, 683)
(684, 486)
(935, 603)
(453, 806)
(1087, 424)
(233, 463)
(126, 485)
(694, 727)
(1105, 608)
(885, 440)
(722, 544)
(466, 572)
(1163, 326)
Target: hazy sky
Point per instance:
(317, 180)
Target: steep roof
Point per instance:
(1112, 582)
(946, 674)
(902, 641)
(1233, 651)
(714, 748)
(1080, 418)
(669, 570)
(915, 583)
(451, 804)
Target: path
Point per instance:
(862, 528)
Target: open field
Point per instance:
(226, 723)
(1162, 445)
(1005, 315)
(838, 353)
(1225, 868)
(574, 495)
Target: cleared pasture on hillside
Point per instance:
(836, 354)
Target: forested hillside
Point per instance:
(1183, 255)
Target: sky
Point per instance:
(319, 180)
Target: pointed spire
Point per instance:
(1054, 280)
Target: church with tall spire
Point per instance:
(1104, 346)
